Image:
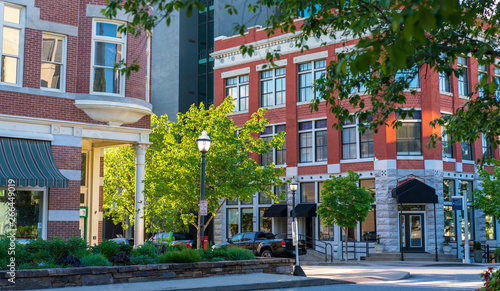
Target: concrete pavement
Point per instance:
(337, 273)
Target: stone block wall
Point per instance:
(86, 276)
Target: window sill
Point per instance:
(311, 164)
(451, 160)
(415, 158)
(274, 106)
(446, 93)
(106, 94)
(350, 161)
(361, 94)
(463, 97)
(57, 90)
(412, 89)
(468, 162)
(304, 102)
(238, 112)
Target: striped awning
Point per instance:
(29, 163)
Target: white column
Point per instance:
(140, 156)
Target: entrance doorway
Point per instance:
(412, 232)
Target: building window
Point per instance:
(353, 139)
(276, 156)
(312, 141)
(265, 223)
(487, 148)
(108, 49)
(497, 79)
(406, 75)
(409, 136)
(12, 43)
(448, 151)
(463, 79)
(232, 222)
(467, 151)
(468, 187)
(444, 82)
(272, 87)
(482, 72)
(307, 192)
(369, 226)
(490, 227)
(52, 73)
(30, 213)
(246, 219)
(308, 73)
(237, 88)
(449, 214)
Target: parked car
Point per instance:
(264, 244)
(179, 238)
(121, 240)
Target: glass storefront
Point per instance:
(29, 207)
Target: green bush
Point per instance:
(147, 249)
(142, 260)
(491, 280)
(107, 248)
(77, 246)
(126, 249)
(184, 256)
(215, 255)
(3, 264)
(41, 265)
(238, 254)
(95, 260)
(497, 254)
(37, 251)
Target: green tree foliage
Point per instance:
(119, 184)
(343, 202)
(173, 167)
(488, 198)
(394, 35)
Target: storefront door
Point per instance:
(412, 232)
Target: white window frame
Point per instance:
(274, 79)
(480, 72)
(403, 74)
(358, 157)
(238, 85)
(98, 38)
(63, 62)
(486, 146)
(273, 150)
(313, 131)
(446, 139)
(465, 76)
(410, 119)
(21, 27)
(45, 205)
(313, 72)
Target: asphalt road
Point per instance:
(457, 277)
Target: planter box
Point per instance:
(70, 277)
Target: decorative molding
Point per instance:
(77, 131)
(55, 129)
(113, 113)
(234, 73)
(64, 215)
(26, 135)
(140, 148)
(310, 57)
(333, 168)
(267, 66)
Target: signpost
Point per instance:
(457, 202)
(203, 207)
(295, 235)
(466, 229)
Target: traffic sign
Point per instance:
(203, 207)
(457, 202)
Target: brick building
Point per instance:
(62, 104)
(390, 162)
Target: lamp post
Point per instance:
(297, 270)
(204, 143)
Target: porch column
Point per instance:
(140, 156)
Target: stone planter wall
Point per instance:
(68, 277)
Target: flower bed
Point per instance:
(84, 276)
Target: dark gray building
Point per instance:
(182, 69)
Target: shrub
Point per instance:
(184, 256)
(120, 259)
(77, 246)
(57, 247)
(3, 264)
(147, 249)
(142, 260)
(477, 246)
(491, 280)
(69, 261)
(108, 248)
(497, 254)
(239, 254)
(215, 255)
(126, 248)
(41, 265)
(38, 250)
(95, 260)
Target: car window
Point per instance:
(270, 236)
(262, 235)
(248, 236)
(237, 238)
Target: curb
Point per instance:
(259, 286)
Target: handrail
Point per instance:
(315, 244)
(341, 243)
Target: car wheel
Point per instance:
(266, 254)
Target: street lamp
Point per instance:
(297, 270)
(204, 143)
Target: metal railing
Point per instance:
(315, 244)
(355, 248)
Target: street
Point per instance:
(442, 277)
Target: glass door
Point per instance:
(412, 232)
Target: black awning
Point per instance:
(276, 210)
(414, 191)
(29, 163)
(305, 210)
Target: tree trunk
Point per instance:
(346, 229)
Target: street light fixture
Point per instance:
(297, 270)
(204, 143)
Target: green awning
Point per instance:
(29, 163)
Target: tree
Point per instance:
(173, 170)
(344, 203)
(393, 36)
(488, 198)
